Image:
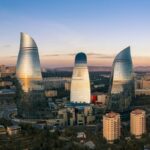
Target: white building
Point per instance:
(137, 122)
(81, 135)
(111, 126)
(80, 83)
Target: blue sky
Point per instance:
(65, 27)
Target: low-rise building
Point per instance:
(5, 83)
(67, 86)
(90, 145)
(7, 70)
(7, 96)
(142, 85)
(2, 130)
(139, 92)
(55, 82)
(51, 93)
(102, 98)
(81, 135)
(13, 130)
(99, 98)
(76, 115)
(80, 118)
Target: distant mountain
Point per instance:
(102, 68)
(142, 68)
(91, 68)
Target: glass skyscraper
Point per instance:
(32, 104)
(28, 68)
(80, 83)
(121, 91)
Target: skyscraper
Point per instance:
(32, 104)
(137, 122)
(28, 68)
(121, 90)
(111, 126)
(80, 83)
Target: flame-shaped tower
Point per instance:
(121, 91)
(32, 104)
(80, 83)
(28, 68)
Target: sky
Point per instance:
(62, 28)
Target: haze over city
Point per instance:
(62, 28)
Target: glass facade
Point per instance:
(121, 90)
(28, 69)
(80, 83)
(32, 104)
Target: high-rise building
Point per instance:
(111, 126)
(121, 91)
(28, 68)
(137, 122)
(80, 83)
(32, 104)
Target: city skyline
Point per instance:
(63, 28)
(74, 74)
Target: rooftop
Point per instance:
(138, 111)
(14, 127)
(111, 115)
(80, 58)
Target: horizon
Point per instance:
(93, 59)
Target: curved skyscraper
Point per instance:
(121, 90)
(28, 68)
(32, 103)
(80, 83)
